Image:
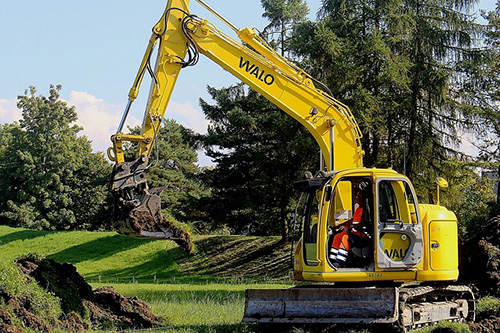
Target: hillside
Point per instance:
(109, 257)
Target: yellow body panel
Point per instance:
(357, 276)
(440, 226)
(443, 245)
(395, 245)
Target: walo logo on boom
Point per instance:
(257, 72)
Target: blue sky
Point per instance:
(93, 48)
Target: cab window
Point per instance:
(411, 203)
(342, 203)
(388, 205)
(396, 202)
(311, 216)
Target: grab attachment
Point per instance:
(138, 208)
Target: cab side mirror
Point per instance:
(441, 183)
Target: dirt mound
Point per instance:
(19, 309)
(82, 307)
(480, 259)
(109, 306)
(140, 220)
(486, 325)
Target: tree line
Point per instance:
(417, 74)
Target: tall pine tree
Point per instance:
(399, 65)
(259, 152)
(283, 16)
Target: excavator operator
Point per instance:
(353, 234)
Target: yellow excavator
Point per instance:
(382, 257)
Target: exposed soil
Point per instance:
(143, 220)
(486, 325)
(83, 307)
(479, 267)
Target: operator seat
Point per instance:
(361, 247)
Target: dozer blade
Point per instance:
(138, 209)
(322, 305)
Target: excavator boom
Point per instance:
(180, 37)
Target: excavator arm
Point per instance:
(180, 35)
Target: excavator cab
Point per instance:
(388, 239)
(359, 225)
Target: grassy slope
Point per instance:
(109, 257)
(203, 292)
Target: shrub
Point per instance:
(488, 307)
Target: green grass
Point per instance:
(94, 253)
(201, 292)
(196, 307)
(13, 285)
(109, 257)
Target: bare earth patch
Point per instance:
(83, 308)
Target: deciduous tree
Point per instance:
(49, 176)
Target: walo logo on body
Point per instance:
(254, 70)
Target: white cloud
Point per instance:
(188, 116)
(98, 118)
(9, 111)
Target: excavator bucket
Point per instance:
(322, 305)
(138, 208)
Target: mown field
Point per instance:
(202, 292)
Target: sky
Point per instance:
(93, 49)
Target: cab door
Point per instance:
(398, 225)
(315, 210)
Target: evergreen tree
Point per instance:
(283, 16)
(441, 39)
(349, 51)
(259, 152)
(400, 66)
(49, 176)
(487, 83)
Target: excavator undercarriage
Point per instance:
(399, 307)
